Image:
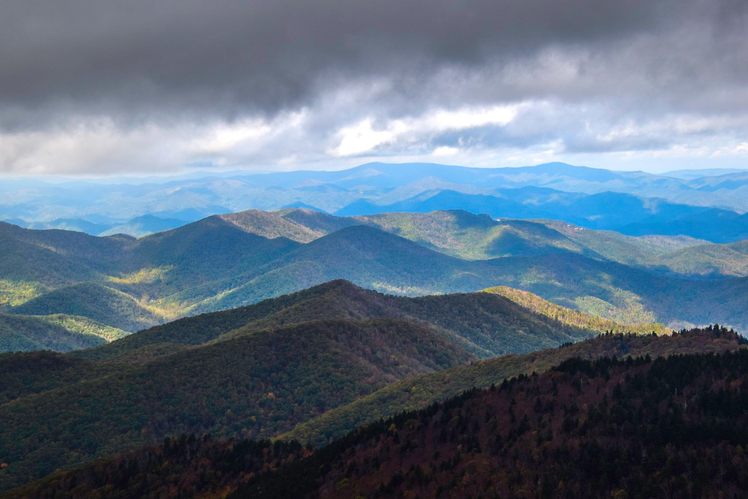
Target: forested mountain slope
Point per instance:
(234, 260)
(487, 325)
(256, 371)
(57, 332)
(527, 435)
(95, 301)
(622, 212)
(420, 391)
(585, 429)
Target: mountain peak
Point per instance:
(343, 285)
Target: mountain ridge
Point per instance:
(255, 371)
(197, 196)
(214, 264)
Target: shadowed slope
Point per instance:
(579, 412)
(419, 392)
(484, 324)
(95, 301)
(255, 371)
(57, 332)
(256, 384)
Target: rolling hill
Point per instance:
(372, 258)
(33, 262)
(469, 236)
(94, 301)
(382, 183)
(420, 391)
(233, 260)
(255, 371)
(364, 255)
(140, 226)
(475, 237)
(301, 225)
(479, 237)
(62, 333)
(86, 206)
(255, 385)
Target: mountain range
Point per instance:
(707, 205)
(624, 213)
(255, 371)
(238, 259)
(434, 324)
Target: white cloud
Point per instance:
(363, 136)
(224, 137)
(97, 147)
(442, 151)
(462, 119)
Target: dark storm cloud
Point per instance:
(98, 86)
(230, 56)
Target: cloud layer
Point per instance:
(120, 87)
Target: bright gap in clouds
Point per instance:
(363, 136)
(227, 136)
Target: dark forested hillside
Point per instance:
(483, 323)
(603, 428)
(670, 427)
(256, 371)
(420, 391)
(255, 385)
(183, 466)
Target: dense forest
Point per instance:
(418, 392)
(611, 427)
(667, 428)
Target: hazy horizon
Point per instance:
(190, 173)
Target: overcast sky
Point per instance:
(141, 86)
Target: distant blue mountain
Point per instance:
(299, 205)
(608, 210)
(76, 224)
(113, 203)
